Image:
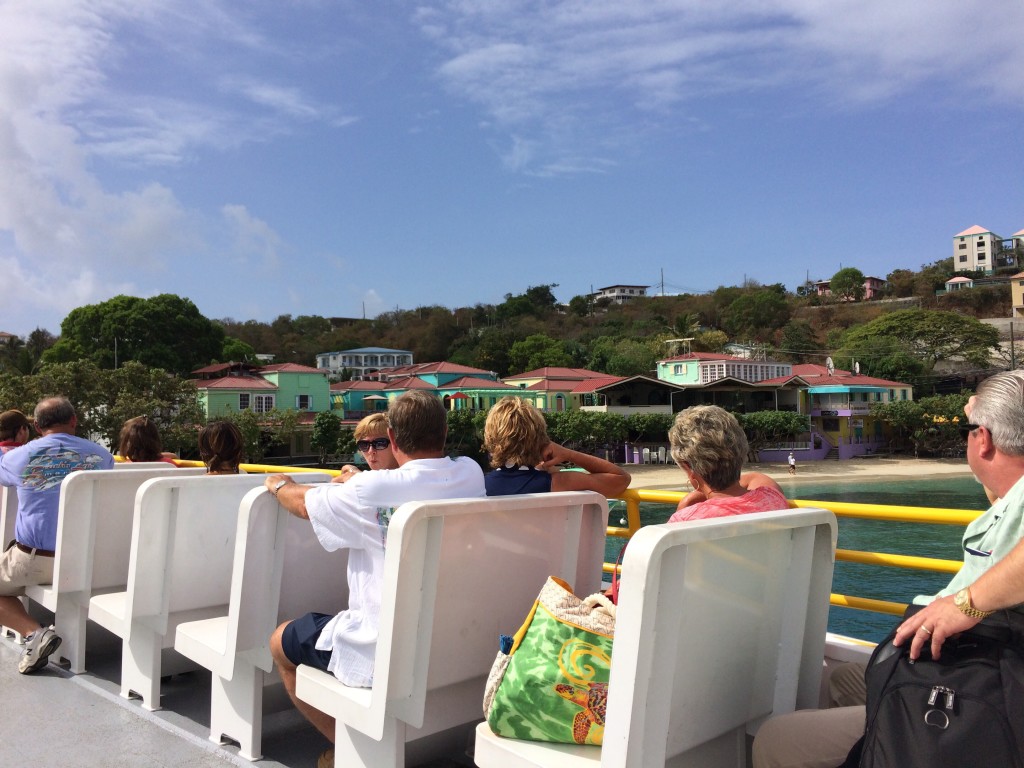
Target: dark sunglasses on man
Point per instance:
(378, 444)
(966, 429)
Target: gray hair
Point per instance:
(53, 412)
(711, 442)
(999, 407)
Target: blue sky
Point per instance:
(333, 157)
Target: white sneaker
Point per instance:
(38, 647)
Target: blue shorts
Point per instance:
(298, 641)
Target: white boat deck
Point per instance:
(56, 718)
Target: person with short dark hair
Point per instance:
(354, 515)
(525, 460)
(15, 430)
(140, 441)
(220, 448)
(36, 469)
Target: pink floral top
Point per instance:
(763, 499)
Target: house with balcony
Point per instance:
(839, 405)
(872, 288)
(620, 294)
(362, 363)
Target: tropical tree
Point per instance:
(928, 335)
(263, 431)
(765, 428)
(537, 351)
(848, 284)
(326, 431)
(165, 332)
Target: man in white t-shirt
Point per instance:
(355, 516)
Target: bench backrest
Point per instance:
(720, 624)
(94, 527)
(183, 543)
(280, 572)
(460, 573)
(8, 513)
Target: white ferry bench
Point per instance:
(279, 571)
(94, 530)
(179, 569)
(457, 575)
(8, 515)
(720, 624)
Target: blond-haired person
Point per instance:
(709, 445)
(526, 461)
(373, 442)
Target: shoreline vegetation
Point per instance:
(669, 477)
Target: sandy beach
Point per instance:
(669, 477)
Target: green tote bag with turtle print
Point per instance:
(550, 680)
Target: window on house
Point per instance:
(243, 401)
(963, 257)
(263, 403)
(903, 394)
(892, 394)
(677, 370)
(981, 257)
(963, 246)
(304, 402)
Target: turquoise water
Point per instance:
(941, 541)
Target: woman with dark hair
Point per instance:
(220, 448)
(15, 430)
(140, 441)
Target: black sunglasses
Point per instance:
(378, 444)
(966, 429)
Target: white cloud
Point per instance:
(252, 238)
(561, 77)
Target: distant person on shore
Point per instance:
(709, 445)
(990, 579)
(372, 441)
(15, 430)
(220, 448)
(792, 463)
(36, 469)
(526, 461)
(140, 441)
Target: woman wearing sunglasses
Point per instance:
(372, 442)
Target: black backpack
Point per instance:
(965, 709)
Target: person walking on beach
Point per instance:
(990, 579)
(792, 463)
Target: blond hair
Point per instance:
(515, 433)
(374, 425)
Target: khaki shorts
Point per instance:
(19, 569)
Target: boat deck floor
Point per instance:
(57, 718)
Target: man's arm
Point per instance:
(1001, 586)
(291, 495)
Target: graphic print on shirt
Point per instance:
(47, 468)
(384, 515)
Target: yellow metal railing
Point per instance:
(632, 499)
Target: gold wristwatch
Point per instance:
(962, 600)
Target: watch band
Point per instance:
(279, 485)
